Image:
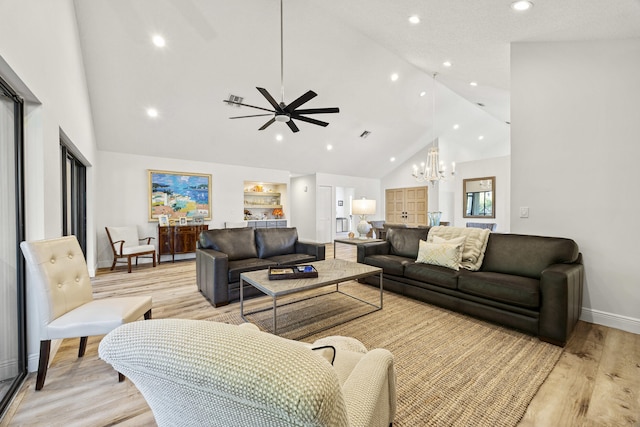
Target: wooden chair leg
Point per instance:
(147, 315)
(114, 263)
(43, 364)
(120, 377)
(129, 263)
(83, 346)
(154, 259)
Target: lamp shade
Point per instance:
(363, 207)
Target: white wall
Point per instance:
(123, 189)
(574, 158)
(40, 45)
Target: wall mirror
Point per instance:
(479, 197)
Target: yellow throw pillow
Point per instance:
(443, 254)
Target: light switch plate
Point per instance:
(524, 212)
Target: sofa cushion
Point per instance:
(291, 259)
(506, 288)
(441, 253)
(237, 243)
(525, 255)
(249, 264)
(432, 274)
(276, 241)
(390, 264)
(405, 241)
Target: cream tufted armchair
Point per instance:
(125, 243)
(203, 373)
(59, 279)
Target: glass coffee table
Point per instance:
(330, 272)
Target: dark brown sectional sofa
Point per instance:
(530, 283)
(223, 254)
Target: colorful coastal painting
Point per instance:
(179, 195)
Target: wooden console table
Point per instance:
(178, 239)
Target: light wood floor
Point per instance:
(595, 383)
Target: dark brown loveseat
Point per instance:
(223, 254)
(530, 283)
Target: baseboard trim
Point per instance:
(624, 323)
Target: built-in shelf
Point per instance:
(260, 199)
(263, 206)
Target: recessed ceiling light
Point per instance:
(152, 112)
(414, 19)
(392, 159)
(329, 147)
(394, 77)
(447, 63)
(279, 137)
(158, 40)
(474, 83)
(456, 126)
(480, 138)
(521, 5)
(423, 93)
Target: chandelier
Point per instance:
(433, 169)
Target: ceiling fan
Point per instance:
(286, 112)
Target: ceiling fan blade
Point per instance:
(318, 111)
(309, 120)
(301, 100)
(292, 126)
(253, 115)
(269, 98)
(246, 105)
(266, 125)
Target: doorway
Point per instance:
(74, 196)
(13, 351)
(325, 214)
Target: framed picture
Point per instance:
(339, 202)
(183, 220)
(163, 220)
(178, 195)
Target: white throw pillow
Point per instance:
(443, 254)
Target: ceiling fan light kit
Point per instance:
(282, 112)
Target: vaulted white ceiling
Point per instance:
(345, 51)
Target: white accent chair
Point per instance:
(125, 243)
(59, 279)
(196, 373)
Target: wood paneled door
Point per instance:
(407, 205)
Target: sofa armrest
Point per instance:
(374, 248)
(561, 288)
(314, 249)
(212, 275)
(370, 390)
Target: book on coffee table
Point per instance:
(294, 272)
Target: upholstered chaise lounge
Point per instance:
(223, 254)
(530, 283)
(202, 373)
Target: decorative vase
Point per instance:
(434, 218)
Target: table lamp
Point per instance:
(363, 207)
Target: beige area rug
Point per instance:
(452, 370)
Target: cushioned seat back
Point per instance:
(526, 256)
(237, 243)
(197, 373)
(405, 241)
(128, 234)
(276, 241)
(59, 276)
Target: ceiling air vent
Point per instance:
(234, 98)
(365, 134)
